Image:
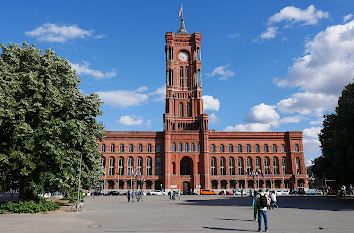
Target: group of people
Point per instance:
(138, 195)
(262, 201)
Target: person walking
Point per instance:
(263, 202)
(273, 197)
(133, 196)
(128, 196)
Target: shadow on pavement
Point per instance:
(297, 202)
(226, 229)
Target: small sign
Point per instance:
(173, 186)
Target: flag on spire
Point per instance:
(180, 14)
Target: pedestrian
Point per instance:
(273, 197)
(141, 195)
(263, 202)
(133, 195)
(128, 196)
(179, 195)
(171, 195)
(255, 206)
(241, 192)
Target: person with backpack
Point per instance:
(263, 203)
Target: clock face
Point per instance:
(183, 56)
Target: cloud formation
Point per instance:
(124, 98)
(270, 33)
(222, 72)
(210, 103)
(347, 18)
(291, 14)
(58, 33)
(84, 69)
(321, 74)
(130, 120)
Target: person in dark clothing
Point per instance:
(128, 196)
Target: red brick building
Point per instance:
(186, 154)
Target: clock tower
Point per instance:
(184, 104)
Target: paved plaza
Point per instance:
(190, 214)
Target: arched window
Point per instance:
(149, 148)
(212, 149)
(173, 147)
(157, 148)
(275, 165)
(103, 148)
(140, 148)
(222, 166)
(282, 148)
(192, 147)
(274, 148)
(139, 166)
(181, 109)
(240, 166)
(103, 162)
(180, 147)
(121, 166)
(111, 166)
(181, 76)
(239, 148)
(283, 165)
(186, 147)
(121, 148)
(213, 166)
(296, 148)
(297, 163)
(148, 166)
(267, 165)
(249, 166)
(130, 166)
(131, 148)
(231, 148)
(222, 148)
(256, 148)
(157, 166)
(231, 166)
(188, 109)
(248, 148)
(258, 164)
(198, 147)
(112, 147)
(265, 148)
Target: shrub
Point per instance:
(29, 207)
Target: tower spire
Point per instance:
(182, 27)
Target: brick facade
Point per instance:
(186, 154)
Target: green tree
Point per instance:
(46, 124)
(337, 141)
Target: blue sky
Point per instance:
(266, 65)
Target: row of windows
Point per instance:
(256, 148)
(186, 148)
(130, 148)
(181, 112)
(249, 166)
(130, 166)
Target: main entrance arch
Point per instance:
(186, 173)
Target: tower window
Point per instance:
(188, 109)
(181, 76)
(181, 109)
(186, 74)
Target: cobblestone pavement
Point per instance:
(190, 214)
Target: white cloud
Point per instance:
(263, 114)
(222, 72)
(307, 103)
(270, 33)
(312, 132)
(124, 98)
(347, 18)
(253, 127)
(322, 73)
(211, 103)
(85, 69)
(56, 33)
(213, 118)
(292, 14)
(317, 122)
(130, 120)
(291, 119)
(160, 93)
(148, 123)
